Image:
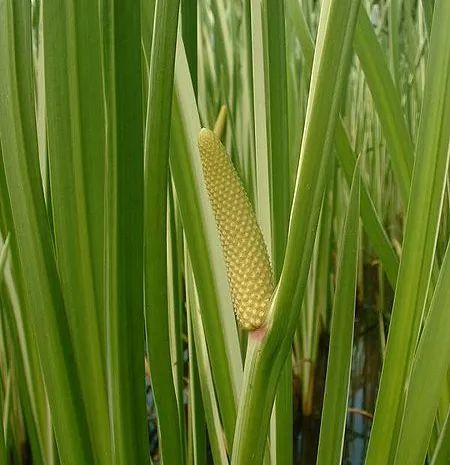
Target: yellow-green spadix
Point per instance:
(248, 266)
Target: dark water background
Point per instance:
(366, 364)
(365, 373)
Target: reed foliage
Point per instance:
(113, 275)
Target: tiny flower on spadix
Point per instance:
(248, 266)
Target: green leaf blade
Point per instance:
(159, 108)
(337, 384)
(431, 362)
(32, 233)
(421, 228)
(124, 231)
(76, 151)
